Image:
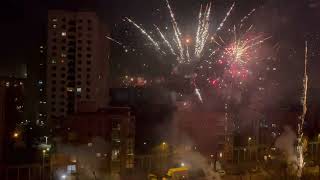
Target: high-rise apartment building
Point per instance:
(77, 63)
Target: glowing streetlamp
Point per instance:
(15, 135)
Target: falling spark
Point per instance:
(145, 33)
(303, 115)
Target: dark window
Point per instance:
(61, 110)
(53, 89)
(62, 96)
(64, 19)
(63, 48)
(54, 75)
(63, 69)
(72, 29)
(79, 76)
(53, 102)
(63, 75)
(89, 28)
(63, 82)
(62, 103)
(89, 21)
(63, 26)
(79, 62)
(54, 47)
(88, 89)
(89, 55)
(71, 37)
(89, 35)
(79, 48)
(53, 67)
(88, 69)
(88, 97)
(62, 89)
(80, 34)
(79, 83)
(88, 62)
(72, 22)
(53, 109)
(88, 41)
(88, 49)
(54, 53)
(79, 41)
(79, 69)
(79, 55)
(88, 75)
(63, 40)
(88, 83)
(80, 27)
(53, 82)
(54, 40)
(53, 96)
(80, 20)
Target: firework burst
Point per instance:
(234, 49)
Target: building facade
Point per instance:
(115, 126)
(77, 62)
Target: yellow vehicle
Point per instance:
(180, 173)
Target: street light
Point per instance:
(15, 135)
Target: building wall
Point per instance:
(115, 125)
(2, 124)
(77, 62)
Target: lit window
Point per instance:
(40, 82)
(78, 90)
(7, 84)
(63, 55)
(63, 34)
(53, 61)
(69, 89)
(71, 168)
(54, 19)
(54, 26)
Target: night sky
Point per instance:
(24, 24)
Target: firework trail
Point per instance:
(177, 32)
(113, 40)
(197, 91)
(165, 40)
(225, 18)
(203, 30)
(246, 17)
(145, 33)
(301, 162)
